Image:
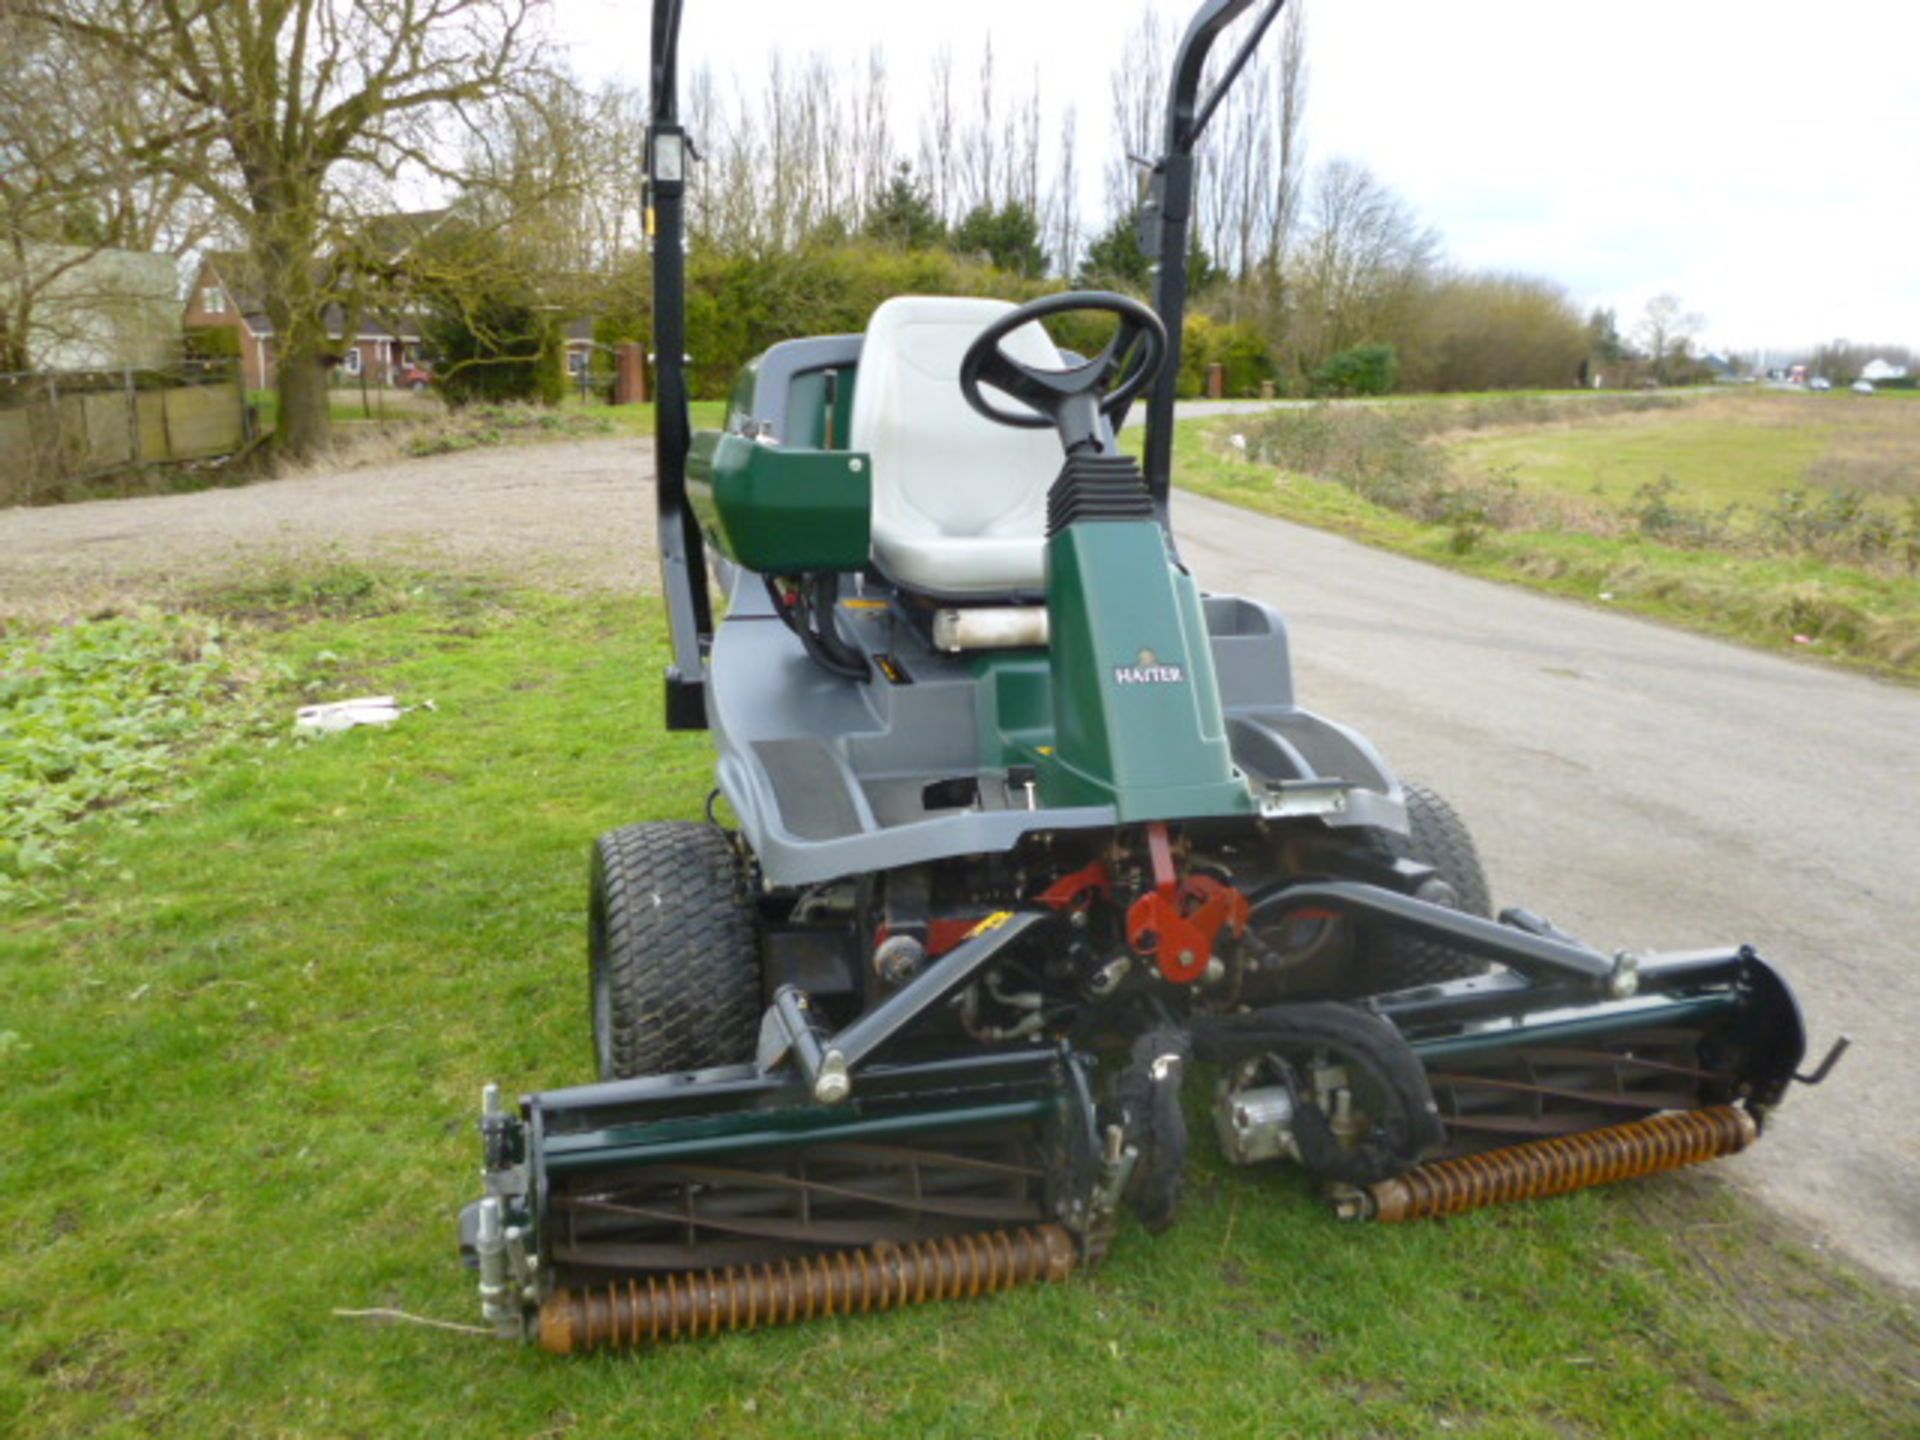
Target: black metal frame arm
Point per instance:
(1163, 225)
(683, 560)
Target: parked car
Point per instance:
(1863, 387)
(1819, 382)
(415, 378)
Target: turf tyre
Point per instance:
(1436, 836)
(672, 950)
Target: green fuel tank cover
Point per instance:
(780, 510)
(1137, 716)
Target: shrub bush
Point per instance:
(1237, 347)
(1362, 370)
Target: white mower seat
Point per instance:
(959, 503)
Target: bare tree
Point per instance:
(1139, 97)
(1364, 260)
(74, 185)
(1248, 196)
(980, 145)
(939, 136)
(307, 101)
(1286, 95)
(1666, 329)
(871, 135)
(1063, 203)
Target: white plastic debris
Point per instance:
(338, 715)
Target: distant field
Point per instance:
(1741, 448)
(1786, 520)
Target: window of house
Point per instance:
(351, 364)
(213, 300)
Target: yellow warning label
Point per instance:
(992, 922)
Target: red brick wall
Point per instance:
(255, 353)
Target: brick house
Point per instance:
(227, 294)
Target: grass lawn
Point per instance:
(242, 1045)
(638, 419)
(349, 407)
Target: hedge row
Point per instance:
(739, 305)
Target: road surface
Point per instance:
(1644, 787)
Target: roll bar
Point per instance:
(1163, 236)
(683, 559)
(1169, 209)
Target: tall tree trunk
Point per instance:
(296, 306)
(305, 426)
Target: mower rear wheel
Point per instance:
(1437, 836)
(672, 951)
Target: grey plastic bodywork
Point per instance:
(830, 777)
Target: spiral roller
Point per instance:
(1557, 1166)
(626, 1314)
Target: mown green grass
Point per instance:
(348, 407)
(638, 419)
(242, 1051)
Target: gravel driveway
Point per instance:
(567, 514)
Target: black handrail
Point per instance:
(683, 561)
(1169, 209)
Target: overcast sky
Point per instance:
(1760, 159)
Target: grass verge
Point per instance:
(1801, 604)
(240, 1053)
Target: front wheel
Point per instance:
(673, 951)
(1436, 836)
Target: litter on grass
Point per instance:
(338, 715)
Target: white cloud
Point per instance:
(1761, 160)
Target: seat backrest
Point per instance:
(941, 471)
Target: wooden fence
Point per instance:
(56, 430)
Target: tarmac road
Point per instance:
(1650, 789)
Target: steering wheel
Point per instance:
(1067, 399)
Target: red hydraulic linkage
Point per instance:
(1080, 889)
(1179, 919)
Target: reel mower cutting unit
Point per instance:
(1032, 836)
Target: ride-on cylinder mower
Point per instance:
(1031, 831)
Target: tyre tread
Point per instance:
(1437, 836)
(681, 948)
